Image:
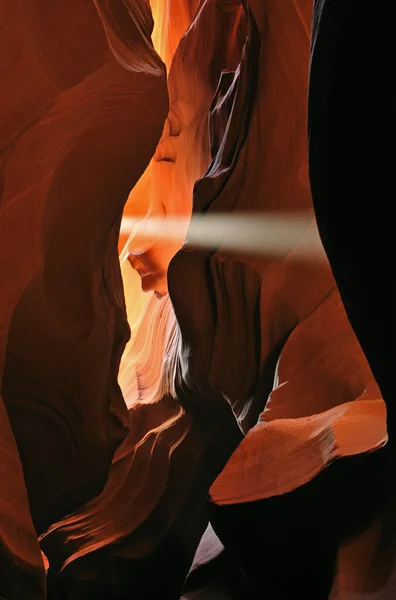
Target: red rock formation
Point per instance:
(22, 569)
(162, 431)
(78, 129)
(245, 380)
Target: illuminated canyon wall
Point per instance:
(148, 386)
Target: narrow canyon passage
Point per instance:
(187, 411)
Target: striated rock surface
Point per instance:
(71, 118)
(170, 420)
(242, 379)
(237, 319)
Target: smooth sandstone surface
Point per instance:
(70, 115)
(135, 387)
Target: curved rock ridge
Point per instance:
(167, 423)
(236, 319)
(71, 116)
(329, 409)
(147, 393)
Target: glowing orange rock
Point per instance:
(236, 318)
(247, 364)
(162, 424)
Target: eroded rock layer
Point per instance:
(223, 387)
(70, 115)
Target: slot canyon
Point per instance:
(197, 386)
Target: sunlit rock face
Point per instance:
(242, 378)
(169, 421)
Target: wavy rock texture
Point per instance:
(276, 297)
(69, 113)
(242, 377)
(164, 432)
